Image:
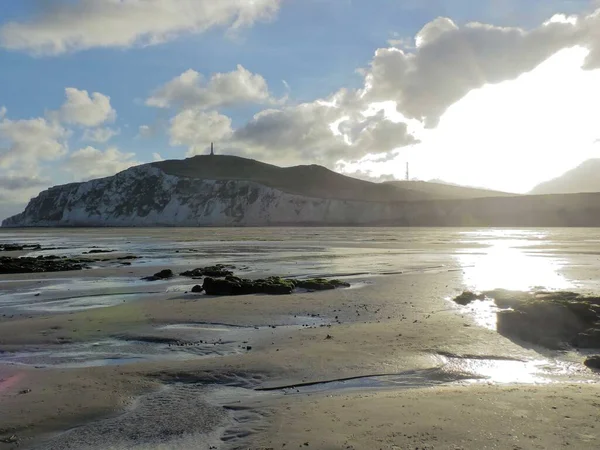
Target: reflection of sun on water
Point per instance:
(508, 262)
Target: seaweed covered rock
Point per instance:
(19, 247)
(593, 362)
(467, 297)
(553, 320)
(217, 271)
(231, 285)
(162, 275)
(237, 286)
(197, 289)
(319, 284)
(37, 265)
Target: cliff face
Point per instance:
(147, 196)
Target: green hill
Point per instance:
(447, 191)
(311, 181)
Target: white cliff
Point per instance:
(147, 196)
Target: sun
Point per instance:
(513, 135)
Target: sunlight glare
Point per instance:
(513, 135)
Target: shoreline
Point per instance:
(377, 348)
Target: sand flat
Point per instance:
(397, 336)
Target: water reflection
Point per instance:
(508, 259)
(540, 371)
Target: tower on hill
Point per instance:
(212, 149)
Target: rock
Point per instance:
(97, 251)
(593, 362)
(236, 286)
(554, 321)
(319, 284)
(162, 275)
(37, 265)
(508, 299)
(10, 440)
(588, 339)
(19, 247)
(467, 297)
(125, 258)
(197, 289)
(218, 271)
(231, 285)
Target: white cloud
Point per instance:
(100, 135)
(3, 112)
(31, 141)
(157, 157)
(145, 131)
(512, 135)
(12, 181)
(323, 132)
(223, 89)
(196, 129)
(67, 26)
(449, 61)
(81, 109)
(89, 162)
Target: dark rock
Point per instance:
(10, 440)
(37, 265)
(218, 271)
(593, 362)
(162, 275)
(319, 284)
(467, 297)
(126, 258)
(588, 339)
(553, 320)
(19, 247)
(236, 286)
(508, 299)
(97, 251)
(197, 289)
(231, 285)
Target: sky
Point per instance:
(502, 94)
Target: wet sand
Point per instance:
(402, 367)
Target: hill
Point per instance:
(310, 181)
(583, 178)
(447, 191)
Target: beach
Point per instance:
(99, 358)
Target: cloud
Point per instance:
(223, 89)
(3, 112)
(81, 109)
(89, 162)
(31, 141)
(449, 61)
(67, 26)
(157, 157)
(196, 129)
(99, 135)
(320, 132)
(19, 182)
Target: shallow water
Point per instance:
(487, 258)
(176, 342)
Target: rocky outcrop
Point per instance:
(38, 265)
(147, 196)
(178, 193)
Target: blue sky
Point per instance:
(314, 46)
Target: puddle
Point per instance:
(406, 380)
(166, 343)
(454, 370)
(115, 352)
